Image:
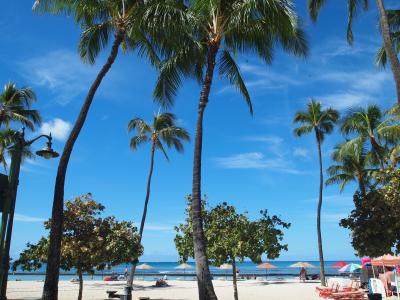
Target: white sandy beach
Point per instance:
(178, 290)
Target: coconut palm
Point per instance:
(369, 128)
(350, 165)
(163, 130)
(314, 7)
(99, 20)
(212, 34)
(321, 122)
(15, 106)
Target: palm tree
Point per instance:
(163, 130)
(368, 126)
(99, 19)
(212, 33)
(15, 106)
(353, 6)
(322, 123)
(351, 165)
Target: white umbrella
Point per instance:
(184, 266)
(225, 267)
(302, 265)
(144, 267)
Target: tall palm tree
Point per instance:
(99, 20)
(212, 33)
(354, 5)
(321, 122)
(15, 106)
(350, 165)
(162, 130)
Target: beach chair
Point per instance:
(324, 292)
(354, 295)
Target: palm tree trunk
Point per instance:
(80, 284)
(146, 202)
(390, 52)
(205, 286)
(235, 289)
(321, 184)
(50, 289)
(361, 183)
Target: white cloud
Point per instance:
(58, 128)
(333, 217)
(302, 152)
(60, 71)
(158, 227)
(345, 100)
(361, 81)
(24, 218)
(255, 160)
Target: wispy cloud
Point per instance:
(159, 227)
(60, 71)
(344, 100)
(58, 128)
(301, 152)
(255, 160)
(28, 219)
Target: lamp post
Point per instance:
(10, 200)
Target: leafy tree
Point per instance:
(350, 165)
(99, 20)
(232, 237)
(321, 122)
(371, 217)
(212, 34)
(89, 242)
(15, 106)
(314, 7)
(162, 130)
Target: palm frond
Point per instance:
(93, 39)
(229, 69)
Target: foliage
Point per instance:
(89, 242)
(15, 106)
(231, 235)
(225, 29)
(315, 119)
(162, 130)
(373, 222)
(353, 7)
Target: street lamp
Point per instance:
(10, 199)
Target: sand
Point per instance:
(178, 290)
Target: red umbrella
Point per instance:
(339, 264)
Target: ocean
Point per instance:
(283, 267)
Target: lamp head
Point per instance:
(48, 152)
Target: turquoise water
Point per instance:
(169, 267)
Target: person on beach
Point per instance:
(303, 275)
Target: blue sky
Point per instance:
(250, 162)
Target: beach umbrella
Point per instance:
(266, 266)
(302, 265)
(225, 267)
(339, 264)
(184, 266)
(350, 268)
(144, 267)
(388, 260)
